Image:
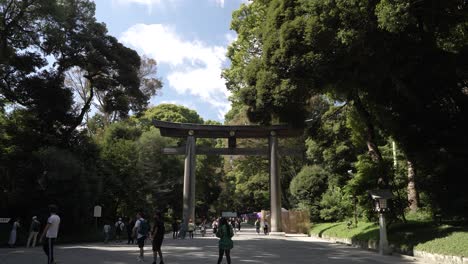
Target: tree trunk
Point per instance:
(413, 197)
(372, 147)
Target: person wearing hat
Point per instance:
(33, 231)
(119, 227)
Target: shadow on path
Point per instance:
(248, 248)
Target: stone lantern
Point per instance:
(380, 198)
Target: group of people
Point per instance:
(34, 229)
(266, 229)
(47, 237)
(235, 223)
(140, 229)
(120, 227)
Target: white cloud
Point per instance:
(148, 3)
(230, 37)
(195, 67)
(220, 3)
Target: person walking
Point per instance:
(265, 227)
(50, 234)
(106, 229)
(157, 236)
(233, 225)
(13, 233)
(203, 228)
(119, 227)
(225, 233)
(141, 231)
(191, 228)
(175, 229)
(129, 226)
(214, 225)
(33, 231)
(257, 226)
(182, 230)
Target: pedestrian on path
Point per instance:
(157, 235)
(265, 227)
(119, 227)
(50, 233)
(33, 232)
(182, 230)
(141, 231)
(191, 228)
(106, 229)
(233, 225)
(175, 229)
(225, 233)
(257, 226)
(129, 226)
(214, 225)
(13, 233)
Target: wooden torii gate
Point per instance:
(194, 131)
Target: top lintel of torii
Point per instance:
(169, 129)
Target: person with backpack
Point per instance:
(157, 236)
(33, 231)
(119, 227)
(225, 233)
(141, 231)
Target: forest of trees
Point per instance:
(380, 88)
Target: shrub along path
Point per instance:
(423, 236)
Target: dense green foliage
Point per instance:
(58, 66)
(395, 71)
(381, 88)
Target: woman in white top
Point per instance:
(12, 240)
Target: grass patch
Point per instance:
(420, 235)
(455, 244)
(363, 231)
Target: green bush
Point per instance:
(336, 206)
(424, 236)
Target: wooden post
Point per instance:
(189, 180)
(275, 185)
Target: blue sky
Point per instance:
(188, 39)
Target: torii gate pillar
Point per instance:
(189, 180)
(275, 184)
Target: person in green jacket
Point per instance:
(225, 233)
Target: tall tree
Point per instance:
(67, 32)
(400, 64)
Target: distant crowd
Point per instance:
(139, 230)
